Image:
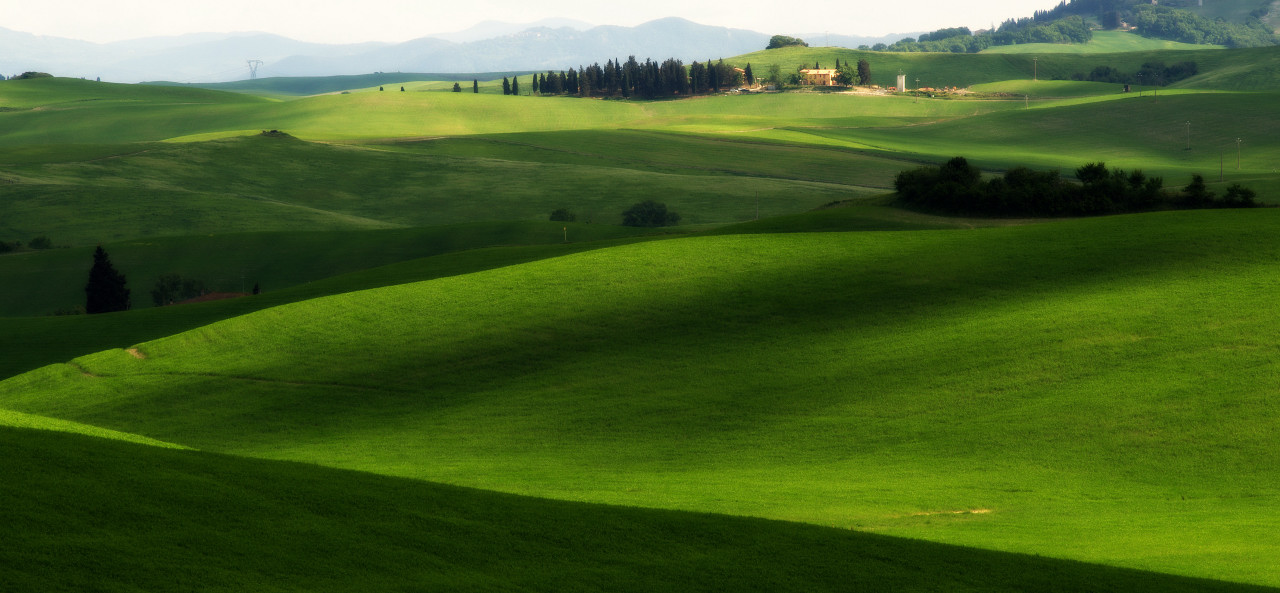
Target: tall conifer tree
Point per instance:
(106, 290)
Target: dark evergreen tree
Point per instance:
(697, 77)
(457, 88)
(864, 72)
(106, 291)
(515, 85)
(506, 86)
(751, 79)
(475, 85)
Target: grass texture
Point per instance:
(1093, 390)
(91, 514)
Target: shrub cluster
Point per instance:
(649, 214)
(40, 242)
(563, 215)
(958, 187)
(1150, 74)
(172, 288)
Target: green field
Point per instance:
(841, 405)
(1103, 42)
(802, 386)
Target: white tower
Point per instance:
(902, 82)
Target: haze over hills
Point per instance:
(550, 44)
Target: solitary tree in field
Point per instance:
(864, 72)
(106, 290)
(475, 85)
(457, 88)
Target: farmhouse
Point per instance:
(819, 76)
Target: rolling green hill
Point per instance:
(94, 514)
(1103, 42)
(278, 184)
(1237, 69)
(927, 404)
(318, 85)
(1092, 389)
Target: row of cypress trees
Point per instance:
(632, 78)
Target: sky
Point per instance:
(353, 21)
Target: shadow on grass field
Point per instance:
(87, 513)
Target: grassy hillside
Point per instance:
(278, 184)
(93, 514)
(1239, 69)
(1103, 42)
(994, 388)
(317, 85)
(41, 282)
(50, 340)
(1134, 132)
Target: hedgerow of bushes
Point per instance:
(957, 187)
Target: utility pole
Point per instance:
(253, 68)
(1237, 154)
(1188, 135)
(1035, 69)
(917, 91)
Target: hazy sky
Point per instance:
(347, 21)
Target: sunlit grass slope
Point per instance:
(316, 85)
(1050, 88)
(1096, 389)
(277, 184)
(1103, 42)
(88, 514)
(49, 340)
(39, 341)
(1134, 133)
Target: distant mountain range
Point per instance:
(487, 47)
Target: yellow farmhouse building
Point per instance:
(819, 76)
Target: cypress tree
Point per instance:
(506, 86)
(751, 79)
(515, 85)
(475, 85)
(106, 290)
